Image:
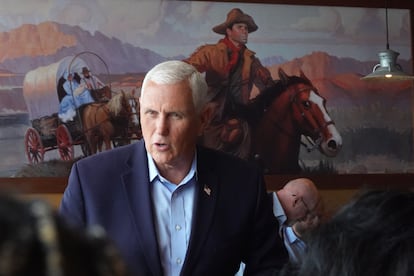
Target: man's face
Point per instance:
(170, 124)
(295, 206)
(238, 33)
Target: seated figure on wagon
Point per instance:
(76, 96)
(99, 91)
(80, 91)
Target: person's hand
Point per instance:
(310, 222)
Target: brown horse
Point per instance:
(281, 115)
(103, 122)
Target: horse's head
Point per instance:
(282, 115)
(125, 106)
(132, 108)
(310, 114)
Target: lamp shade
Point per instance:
(388, 69)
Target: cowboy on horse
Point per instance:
(231, 70)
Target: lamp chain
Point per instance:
(386, 24)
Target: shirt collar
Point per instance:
(153, 171)
(278, 211)
(290, 235)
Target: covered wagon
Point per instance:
(43, 91)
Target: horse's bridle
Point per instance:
(134, 110)
(133, 104)
(311, 120)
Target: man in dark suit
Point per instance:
(172, 207)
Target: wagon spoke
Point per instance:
(34, 146)
(64, 143)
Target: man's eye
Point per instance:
(306, 104)
(176, 115)
(151, 113)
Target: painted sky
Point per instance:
(178, 27)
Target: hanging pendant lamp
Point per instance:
(388, 68)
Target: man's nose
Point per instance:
(162, 125)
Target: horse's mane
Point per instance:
(115, 103)
(264, 99)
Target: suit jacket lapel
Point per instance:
(206, 198)
(137, 188)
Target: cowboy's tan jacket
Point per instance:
(213, 58)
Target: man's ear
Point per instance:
(296, 201)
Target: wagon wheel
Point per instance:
(64, 143)
(35, 151)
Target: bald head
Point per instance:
(306, 188)
(298, 197)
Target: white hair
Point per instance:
(174, 71)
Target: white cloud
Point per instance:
(178, 27)
(328, 20)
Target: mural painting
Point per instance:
(303, 108)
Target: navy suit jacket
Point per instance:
(232, 223)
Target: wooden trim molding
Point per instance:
(348, 181)
(33, 185)
(53, 185)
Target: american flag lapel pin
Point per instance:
(207, 190)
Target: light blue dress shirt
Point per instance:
(294, 245)
(173, 210)
(278, 212)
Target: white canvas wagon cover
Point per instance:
(40, 86)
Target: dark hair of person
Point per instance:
(34, 240)
(371, 235)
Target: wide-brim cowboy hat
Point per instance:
(85, 70)
(236, 16)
